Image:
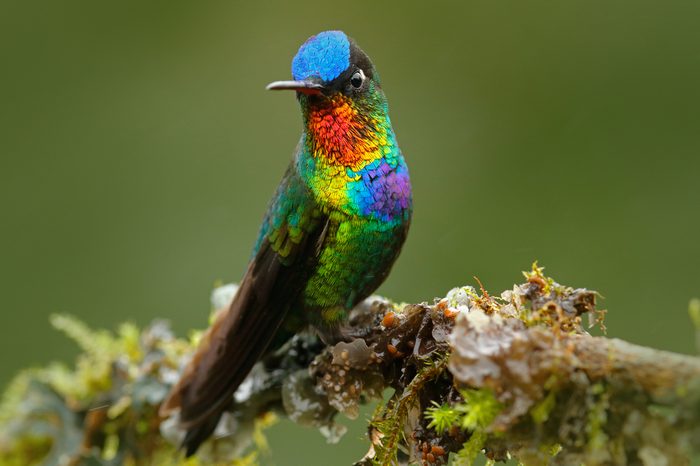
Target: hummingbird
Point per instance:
(329, 238)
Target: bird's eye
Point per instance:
(357, 79)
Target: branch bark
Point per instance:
(510, 376)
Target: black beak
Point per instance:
(307, 87)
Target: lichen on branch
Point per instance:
(510, 376)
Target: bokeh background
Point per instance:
(138, 151)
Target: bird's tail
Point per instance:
(198, 434)
(229, 349)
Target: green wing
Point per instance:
(288, 245)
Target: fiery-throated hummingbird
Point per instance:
(331, 233)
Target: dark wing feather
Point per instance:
(240, 335)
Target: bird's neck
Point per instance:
(349, 158)
(342, 133)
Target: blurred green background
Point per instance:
(138, 150)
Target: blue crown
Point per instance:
(325, 55)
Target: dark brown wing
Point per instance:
(241, 334)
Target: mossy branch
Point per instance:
(510, 376)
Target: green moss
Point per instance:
(479, 409)
(536, 275)
(470, 449)
(541, 411)
(13, 395)
(442, 417)
(93, 367)
(389, 420)
(30, 450)
(108, 399)
(597, 418)
(474, 415)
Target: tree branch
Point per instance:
(510, 376)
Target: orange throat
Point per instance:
(341, 135)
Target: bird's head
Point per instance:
(330, 64)
(342, 102)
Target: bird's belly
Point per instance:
(355, 259)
